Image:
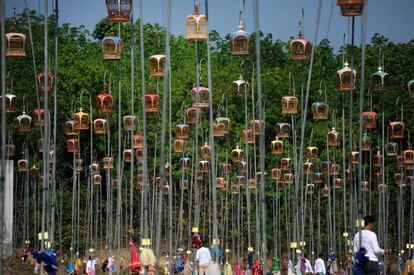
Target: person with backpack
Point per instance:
(304, 266)
(369, 247)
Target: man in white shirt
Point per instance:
(370, 242)
(203, 257)
(320, 265)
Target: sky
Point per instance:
(392, 18)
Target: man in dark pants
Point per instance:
(370, 242)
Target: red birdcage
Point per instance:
(100, 125)
(104, 102)
(205, 151)
(346, 78)
(300, 49)
(112, 48)
(257, 126)
(138, 141)
(182, 131)
(81, 120)
(119, 11)
(156, 63)
(248, 136)
(351, 7)
(369, 120)
(285, 164)
(151, 103)
(39, 116)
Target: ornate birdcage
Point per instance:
(290, 105)
(100, 125)
(139, 154)
(317, 178)
(15, 44)
(396, 129)
(185, 184)
(382, 188)
(338, 183)
(409, 180)
(40, 144)
(138, 141)
(378, 177)
(167, 169)
(377, 160)
(97, 179)
(320, 111)
(112, 48)
(127, 155)
(237, 154)
(312, 152)
(22, 165)
(221, 183)
(354, 157)
(81, 120)
(283, 130)
(193, 115)
(280, 186)
(39, 116)
(366, 143)
(276, 173)
(108, 162)
(9, 150)
(240, 42)
(242, 167)
(119, 11)
(369, 120)
(34, 171)
(130, 123)
(225, 168)
(257, 126)
(104, 102)
(310, 188)
(94, 168)
(182, 131)
(410, 87)
(334, 138)
(69, 128)
(391, 149)
(300, 49)
(365, 186)
(351, 7)
(79, 164)
(73, 145)
(248, 136)
(288, 178)
(277, 146)
(185, 163)
(325, 191)
(203, 166)
(285, 164)
(408, 158)
(156, 63)
(200, 97)
(335, 169)
(221, 126)
(252, 183)
(240, 181)
(398, 179)
(205, 151)
(346, 78)
(235, 189)
(308, 168)
(240, 86)
(180, 145)
(379, 80)
(196, 26)
(10, 101)
(115, 184)
(152, 103)
(40, 78)
(24, 123)
(139, 180)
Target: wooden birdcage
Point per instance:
(167, 169)
(252, 183)
(300, 49)
(15, 44)
(276, 173)
(351, 7)
(290, 105)
(10, 101)
(240, 87)
(288, 178)
(409, 180)
(127, 155)
(40, 78)
(312, 152)
(196, 26)
(346, 78)
(24, 122)
(73, 145)
(325, 167)
(205, 151)
(9, 150)
(130, 123)
(391, 149)
(248, 136)
(283, 130)
(79, 164)
(152, 103)
(398, 179)
(185, 184)
(34, 171)
(193, 115)
(310, 188)
(377, 160)
(369, 120)
(97, 179)
(180, 145)
(138, 141)
(203, 166)
(277, 146)
(139, 154)
(240, 181)
(378, 177)
(365, 186)
(257, 126)
(94, 168)
(235, 189)
(317, 178)
(104, 102)
(308, 168)
(410, 87)
(156, 63)
(182, 131)
(40, 144)
(335, 169)
(22, 165)
(237, 154)
(225, 168)
(382, 188)
(100, 125)
(334, 138)
(280, 186)
(139, 180)
(320, 111)
(200, 97)
(221, 183)
(354, 157)
(396, 129)
(69, 128)
(408, 158)
(338, 183)
(112, 48)
(81, 120)
(185, 163)
(285, 164)
(240, 42)
(366, 143)
(242, 167)
(221, 126)
(379, 80)
(108, 162)
(39, 116)
(119, 11)
(325, 191)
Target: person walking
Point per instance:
(203, 257)
(369, 241)
(90, 266)
(320, 265)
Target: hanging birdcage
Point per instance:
(317, 178)
(108, 162)
(382, 188)
(354, 157)
(379, 80)
(288, 178)
(130, 123)
(200, 97)
(138, 141)
(156, 63)
(237, 154)
(277, 146)
(69, 128)
(338, 183)
(24, 123)
(310, 189)
(240, 181)
(185, 184)
(100, 126)
(409, 180)
(377, 160)
(334, 138)
(119, 11)
(34, 171)
(240, 42)
(252, 183)
(193, 115)
(365, 186)
(139, 154)
(240, 87)
(94, 168)
(369, 120)
(180, 145)
(151, 103)
(242, 167)
(225, 168)
(97, 179)
(276, 173)
(10, 103)
(81, 120)
(40, 145)
(366, 143)
(104, 102)
(248, 136)
(139, 180)
(280, 186)
(127, 155)
(335, 169)
(167, 169)
(408, 158)
(199, 175)
(396, 129)
(391, 149)
(15, 44)
(351, 7)
(203, 166)
(320, 111)
(40, 77)
(112, 48)
(312, 152)
(205, 151)
(290, 105)
(325, 191)
(235, 189)
(114, 183)
(222, 125)
(283, 130)
(378, 177)
(185, 163)
(346, 78)
(221, 183)
(79, 164)
(300, 48)
(196, 26)
(285, 164)
(308, 168)
(39, 116)
(182, 131)
(9, 150)
(398, 179)
(22, 165)
(410, 87)
(73, 145)
(257, 126)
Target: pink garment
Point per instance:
(110, 262)
(237, 269)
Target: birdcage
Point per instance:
(351, 7)
(379, 80)
(185, 163)
(151, 103)
(81, 120)
(391, 149)
(310, 188)
(130, 123)
(222, 125)
(235, 189)
(290, 105)
(240, 181)
(252, 183)
(378, 177)
(354, 157)
(325, 191)
(139, 154)
(346, 78)
(200, 97)
(396, 129)
(100, 125)
(320, 111)
(338, 183)
(283, 130)
(193, 115)
(24, 122)
(203, 166)
(410, 87)
(180, 145)
(73, 145)
(39, 116)
(365, 186)
(240, 42)
(369, 120)
(119, 11)
(308, 168)
(127, 155)
(112, 48)
(335, 169)
(97, 179)
(285, 164)
(205, 151)
(248, 136)
(366, 143)
(34, 171)
(240, 87)
(196, 26)
(277, 146)
(225, 168)
(334, 138)
(15, 44)
(108, 162)
(69, 128)
(382, 188)
(221, 183)
(317, 178)
(276, 173)
(156, 63)
(104, 102)
(377, 160)
(408, 158)
(242, 167)
(40, 78)
(79, 164)
(237, 154)
(288, 178)
(10, 103)
(94, 168)
(22, 165)
(182, 131)
(280, 186)
(138, 141)
(300, 49)
(312, 152)
(9, 150)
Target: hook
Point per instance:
(301, 24)
(105, 78)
